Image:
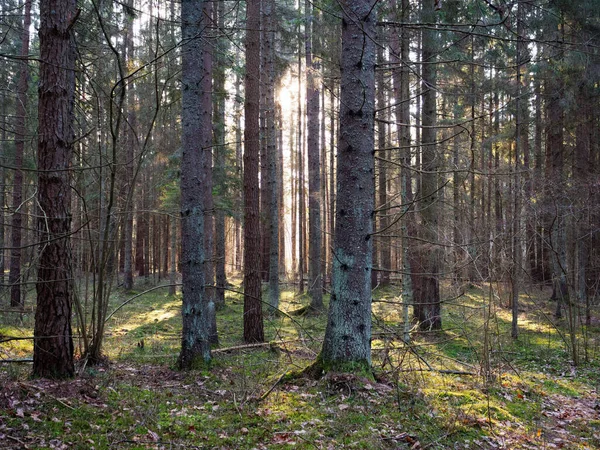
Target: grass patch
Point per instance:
(468, 386)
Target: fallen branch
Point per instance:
(442, 371)
(272, 344)
(22, 360)
(266, 394)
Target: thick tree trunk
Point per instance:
(196, 127)
(253, 320)
(348, 334)
(14, 277)
(53, 344)
(315, 281)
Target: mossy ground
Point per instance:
(469, 386)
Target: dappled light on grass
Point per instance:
(432, 392)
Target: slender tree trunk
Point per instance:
(280, 185)
(332, 178)
(14, 277)
(2, 187)
(348, 332)
(140, 229)
(207, 169)
(385, 260)
(131, 144)
(520, 136)
(293, 192)
(426, 264)
(220, 150)
(324, 192)
(196, 144)
(173, 254)
(239, 168)
(583, 177)
(253, 320)
(300, 167)
(264, 194)
(315, 281)
(53, 344)
(271, 175)
(401, 83)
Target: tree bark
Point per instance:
(348, 333)
(426, 263)
(196, 127)
(271, 175)
(315, 281)
(53, 344)
(253, 319)
(220, 151)
(131, 146)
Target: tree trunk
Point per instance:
(53, 344)
(401, 83)
(426, 263)
(2, 187)
(196, 127)
(14, 277)
(253, 319)
(348, 333)
(173, 254)
(271, 174)
(301, 209)
(220, 151)
(131, 145)
(315, 281)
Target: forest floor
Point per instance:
(468, 387)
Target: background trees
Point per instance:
(487, 150)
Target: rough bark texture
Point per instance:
(53, 344)
(426, 262)
(348, 334)
(315, 281)
(253, 320)
(196, 123)
(14, 276)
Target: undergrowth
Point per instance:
(469, 386)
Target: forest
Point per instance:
(299, 224)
